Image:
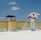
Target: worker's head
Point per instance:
(33, 14)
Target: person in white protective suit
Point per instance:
(33, 16)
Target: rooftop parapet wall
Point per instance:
(22, 24)
(4, 24)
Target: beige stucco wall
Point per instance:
(3, 24)
(13, 24)
(22, 24)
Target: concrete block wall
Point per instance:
(14, 25)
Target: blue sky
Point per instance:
(19, 8)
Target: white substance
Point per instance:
(21, 35)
